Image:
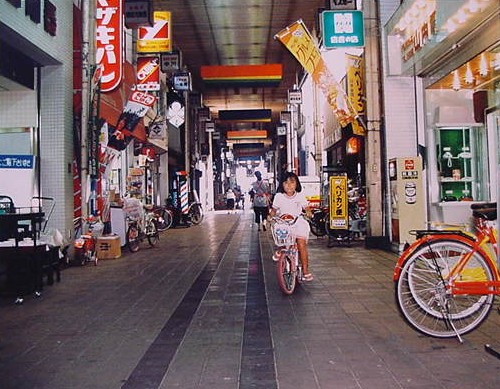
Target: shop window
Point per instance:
(462, 164)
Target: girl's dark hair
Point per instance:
(285, 177)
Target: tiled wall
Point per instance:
(18, 109)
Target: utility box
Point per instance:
(108, 247)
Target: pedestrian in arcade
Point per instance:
(261, 198)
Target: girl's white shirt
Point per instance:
(292, 205)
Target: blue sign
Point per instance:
(343, 29)
(16, 161)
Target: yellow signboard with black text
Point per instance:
(339, 216)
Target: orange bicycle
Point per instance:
(446, 281)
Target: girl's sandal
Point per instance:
(308, 277)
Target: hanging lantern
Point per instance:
(352, 145)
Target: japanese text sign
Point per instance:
(343, 29)
(156, 39)
(148, 73)
(339, 217)
(109, 32)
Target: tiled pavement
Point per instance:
(202, 310)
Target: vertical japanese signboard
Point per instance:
(339, 217)
(109, 32)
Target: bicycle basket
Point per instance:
(282, 234)
(133, 208)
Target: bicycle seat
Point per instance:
(489, 214)
(483, 206)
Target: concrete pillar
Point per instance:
(375, 165)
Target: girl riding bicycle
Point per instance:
(290, 201)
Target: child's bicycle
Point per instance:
(446, 280)
(86, 244)
(288, 266)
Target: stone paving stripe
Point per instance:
(150, 370)
(257, 360)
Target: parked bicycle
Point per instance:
(318, 221)
(164, 217)
(446, 281)
(195, 213)
(288, 267)
(86, 244)
(141, 224)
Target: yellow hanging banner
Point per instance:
(300, 43)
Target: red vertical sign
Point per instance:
(109, 32)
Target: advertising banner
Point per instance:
(356, 89)
(156, 39)
(339, 216)
(109, 41)
(135, 109)
(300, 43)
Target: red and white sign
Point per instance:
(109, 31)
(148, 73)
(156, 39)
(409, 164)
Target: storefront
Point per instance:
(452, 50)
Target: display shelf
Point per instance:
(458, 153)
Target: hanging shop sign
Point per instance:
(339, 218)
(294, 97)
(182, 81)
(170, 62)
(342, 4)
(157, 131)
(343, 29)
(138, 13)
(108, 38)
(148, 74)
(156, 39)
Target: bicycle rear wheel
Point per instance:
(423, 295)
(152, 233)
(196, 213)
(133, 238)
(286, 274)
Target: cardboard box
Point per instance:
(108, 247)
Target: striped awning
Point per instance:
(243, 75)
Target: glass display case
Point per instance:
(461, 159)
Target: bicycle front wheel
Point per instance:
(152, 233)
(196, 213)
(164, 220)
(286, 274)
(133, 238)
(424, 296)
